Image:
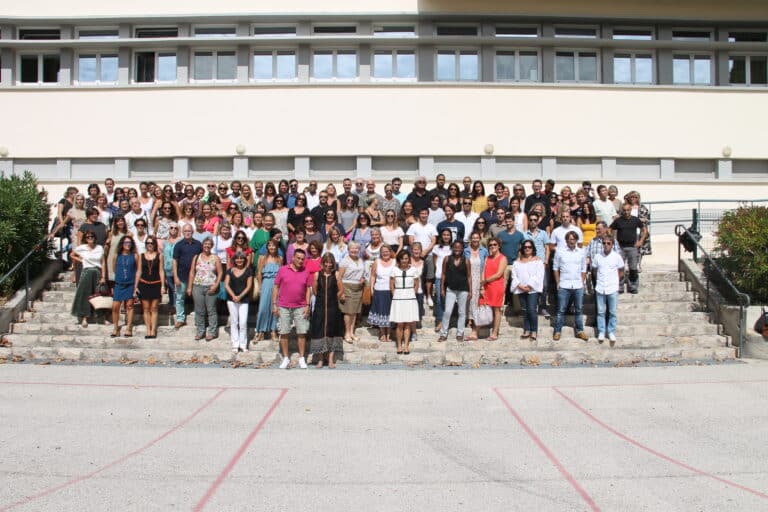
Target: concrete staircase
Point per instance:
(661, 324)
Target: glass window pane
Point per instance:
(469, 66)
(565, 66)
(737, 68)
(203, 66)
(86, 68)
(529, 66)
(446, 66)
(322, 65)
(702, 73)
(286, 65)
(166, 67)
(681, 70)
(226, 66)
(588, 67)
(109, 68)
(50, 69)
(382, 64)
(262, 66)
(346, 64)
(644, 69)
(622, 69)
(406, 64)
(505, 66)
(145, 67)
(29, 69)
(758, 70)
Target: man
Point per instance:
(312, 195)
(467, 217)
(359, 188)
(290, 303)
(510, 239)
(293, 193)
(489, 214)
(135, 214)
(609, 267)
(370, 194)
(436, 213)
(557, 238)
(426, 234)
(109, 185)
(200, 233)
(467, 191)
(235, 186)
(390, 202)
(604, 208)
(595, 246)
(439, 189)
(319, 211)
(541, 243)
(419, 196)
(346, 184)
(450, 222)
(178, 190)
(625, 229)
(184, 252)
(93, 225)
(500, 224)
(498, 194)
(400, 196)
(538, 196)
(549, 187)
(570, 270)
(586, 186)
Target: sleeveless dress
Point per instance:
(404, 306)
(326, 323)
(588, 232)
(265, 320)
(125, 277)
(149, 284)
(382, 298)
(475, 265)
(493, 293)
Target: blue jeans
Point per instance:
(170, 286)
(564, 296)
(528, 303)
(454, 298)
(612, 301)
(438, 308)
(181, 296)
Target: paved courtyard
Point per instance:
(140, 438)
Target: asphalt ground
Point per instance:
(143, 438)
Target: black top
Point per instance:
(626, 230)
(455, 276)
(238, 284)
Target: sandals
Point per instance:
(129, 332)
(525, 335)
(492, 338)
(115, 333)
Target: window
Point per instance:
(155, 67)
(151, 32)
(274, 31)
(94, 68)
(748, 70)
(334, 29)
(274, 65)
(215, 32)
(394, 30)
(509, 31)
(576, 66)
(692, 70)
(109, 33)
(691, 35)
(632, 34)
(39, 34)
(632, 68)
(39, 69)
(456, 30)
(214, 65)
(394, 64)
(334, 64)
(747, 37)
(576, 32)
(517, 65)
(458, 65)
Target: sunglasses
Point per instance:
(149, 243)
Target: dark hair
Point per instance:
(364, 216)
(527, 243)
(273, 232)
(316, 244)
(440, 237)
(478, 194)
(327, 257)
(90, 211)
(301, 251)
(588, 217)
(402, 254)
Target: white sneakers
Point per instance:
(302, 363)
(286, 363)
(601, 337)
(612, 337)
(429, 301)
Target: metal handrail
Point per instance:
(42, 244)
(681, 201)
(742, 298)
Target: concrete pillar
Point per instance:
(183, 64)
(364, 166)
(243, 62)
(64, 169)
(549, 167)
(301, 168)
(180, 168)
(124, 66)
(364, 63)
(6, 166)
(66, 66)
(303, 58)
(724, 169)
(122, 169)
(667, 166)
(547, 55)
(240, 168)
(427, 166)
(609, 168)
(664, 58)
(487, 64)
(488, 167)
(425, 60)
(7, 57)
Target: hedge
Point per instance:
(742, 239)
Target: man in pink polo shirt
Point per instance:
(290, 303)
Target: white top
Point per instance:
(353, 270)
(141, 245)
(131, 217)
(410, 275)
(605, 210)
(557, 236)
(382, 274)
(571, 264)
(339, 252)
(105, 216)
(436, 216)
(91, 257)
(419, 269)
(312, 200)
(371, 253)
(530, 273)
(423, 233)
(220, 246)
(390, 236)
(607, 272)
(519, 218)
(468, 221)
(440, 253)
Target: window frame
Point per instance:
(457, 68)
(253, 26)
(476, 26)
(335, 54)
(747, 68)
(633, 54)
(136, 28)
(645, 28)
(215, 78)
(577, 52)
(517, 51)
(213, 36)
(535, 26)
(396, 34)
(105, 28)
(40, 54)
(157, 52)
(98, 53)
(393, 52)
(273, 51)
(596, 28)
(691, 63)
(331, 24)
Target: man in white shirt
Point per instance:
(570, 270)
(609, 268)
(467, 217)
(436, 213)
(312, 195)
(557, 237)
(135, 214)
(604, 207)
(426, 234)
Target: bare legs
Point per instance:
(496, 324)
(403, 337)
(349, 327)
(284, 344)
(128, 317)
(150, 308)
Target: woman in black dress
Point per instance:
(151, 280)
(327, 325)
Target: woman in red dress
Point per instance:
(492, 284)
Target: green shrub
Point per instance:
(743, 239)
(23, 223)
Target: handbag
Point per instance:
(365, 300)
(102, 299)
(256, 290)
(483, 314)
(761, 326)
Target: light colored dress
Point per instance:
(404, 307)
(265, 320)
(476, 268)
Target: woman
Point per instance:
(439, 252)
(403, 285)
(335, 244)
(267, 267)
(455, 287)
(105, 213)
(527, 284)
(203, 287)
(476, 255)
(165, 217)
(352, 277)
(151, 285)
(299, 242)
(157, 200)
(140, 235)
(326, 326)
(479, 201)
(231, 210)
(613, 196)
(93, 192)
(587, 221)
(126, 264)
(89, 256)
(240, 245)
(187, 216)
(269, 196)
(348, 214)
(406, 217)
(297, 213)
(145, 199)
(314, 255)
(114, 206)
(212, 221)
(238, 222)
(417, 263)
(331, 222)
(390, 202)
(642, 212)
(454, 197)
(247, 202)
(381, 293)
(521, 219)
(174, 235)
(238, 282)
(190, 198)
(392, 233)
(113, 245)
(261, 235)
(333, 200)
(374, 213)
(221, 244)
(311, 233)
(280, 212)
(362, 230)
(481, 226)
(492, 284)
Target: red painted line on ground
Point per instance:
(639, 384)
(551, 456)
(654, 452)
(135, 386)
(115, 462)
(238, 454)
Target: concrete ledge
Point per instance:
(12, 310)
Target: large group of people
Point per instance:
(321, 262)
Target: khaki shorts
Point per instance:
(292, 316)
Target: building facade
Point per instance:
(615, 91)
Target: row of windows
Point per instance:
(629, 67)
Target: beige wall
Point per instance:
(378, 120)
